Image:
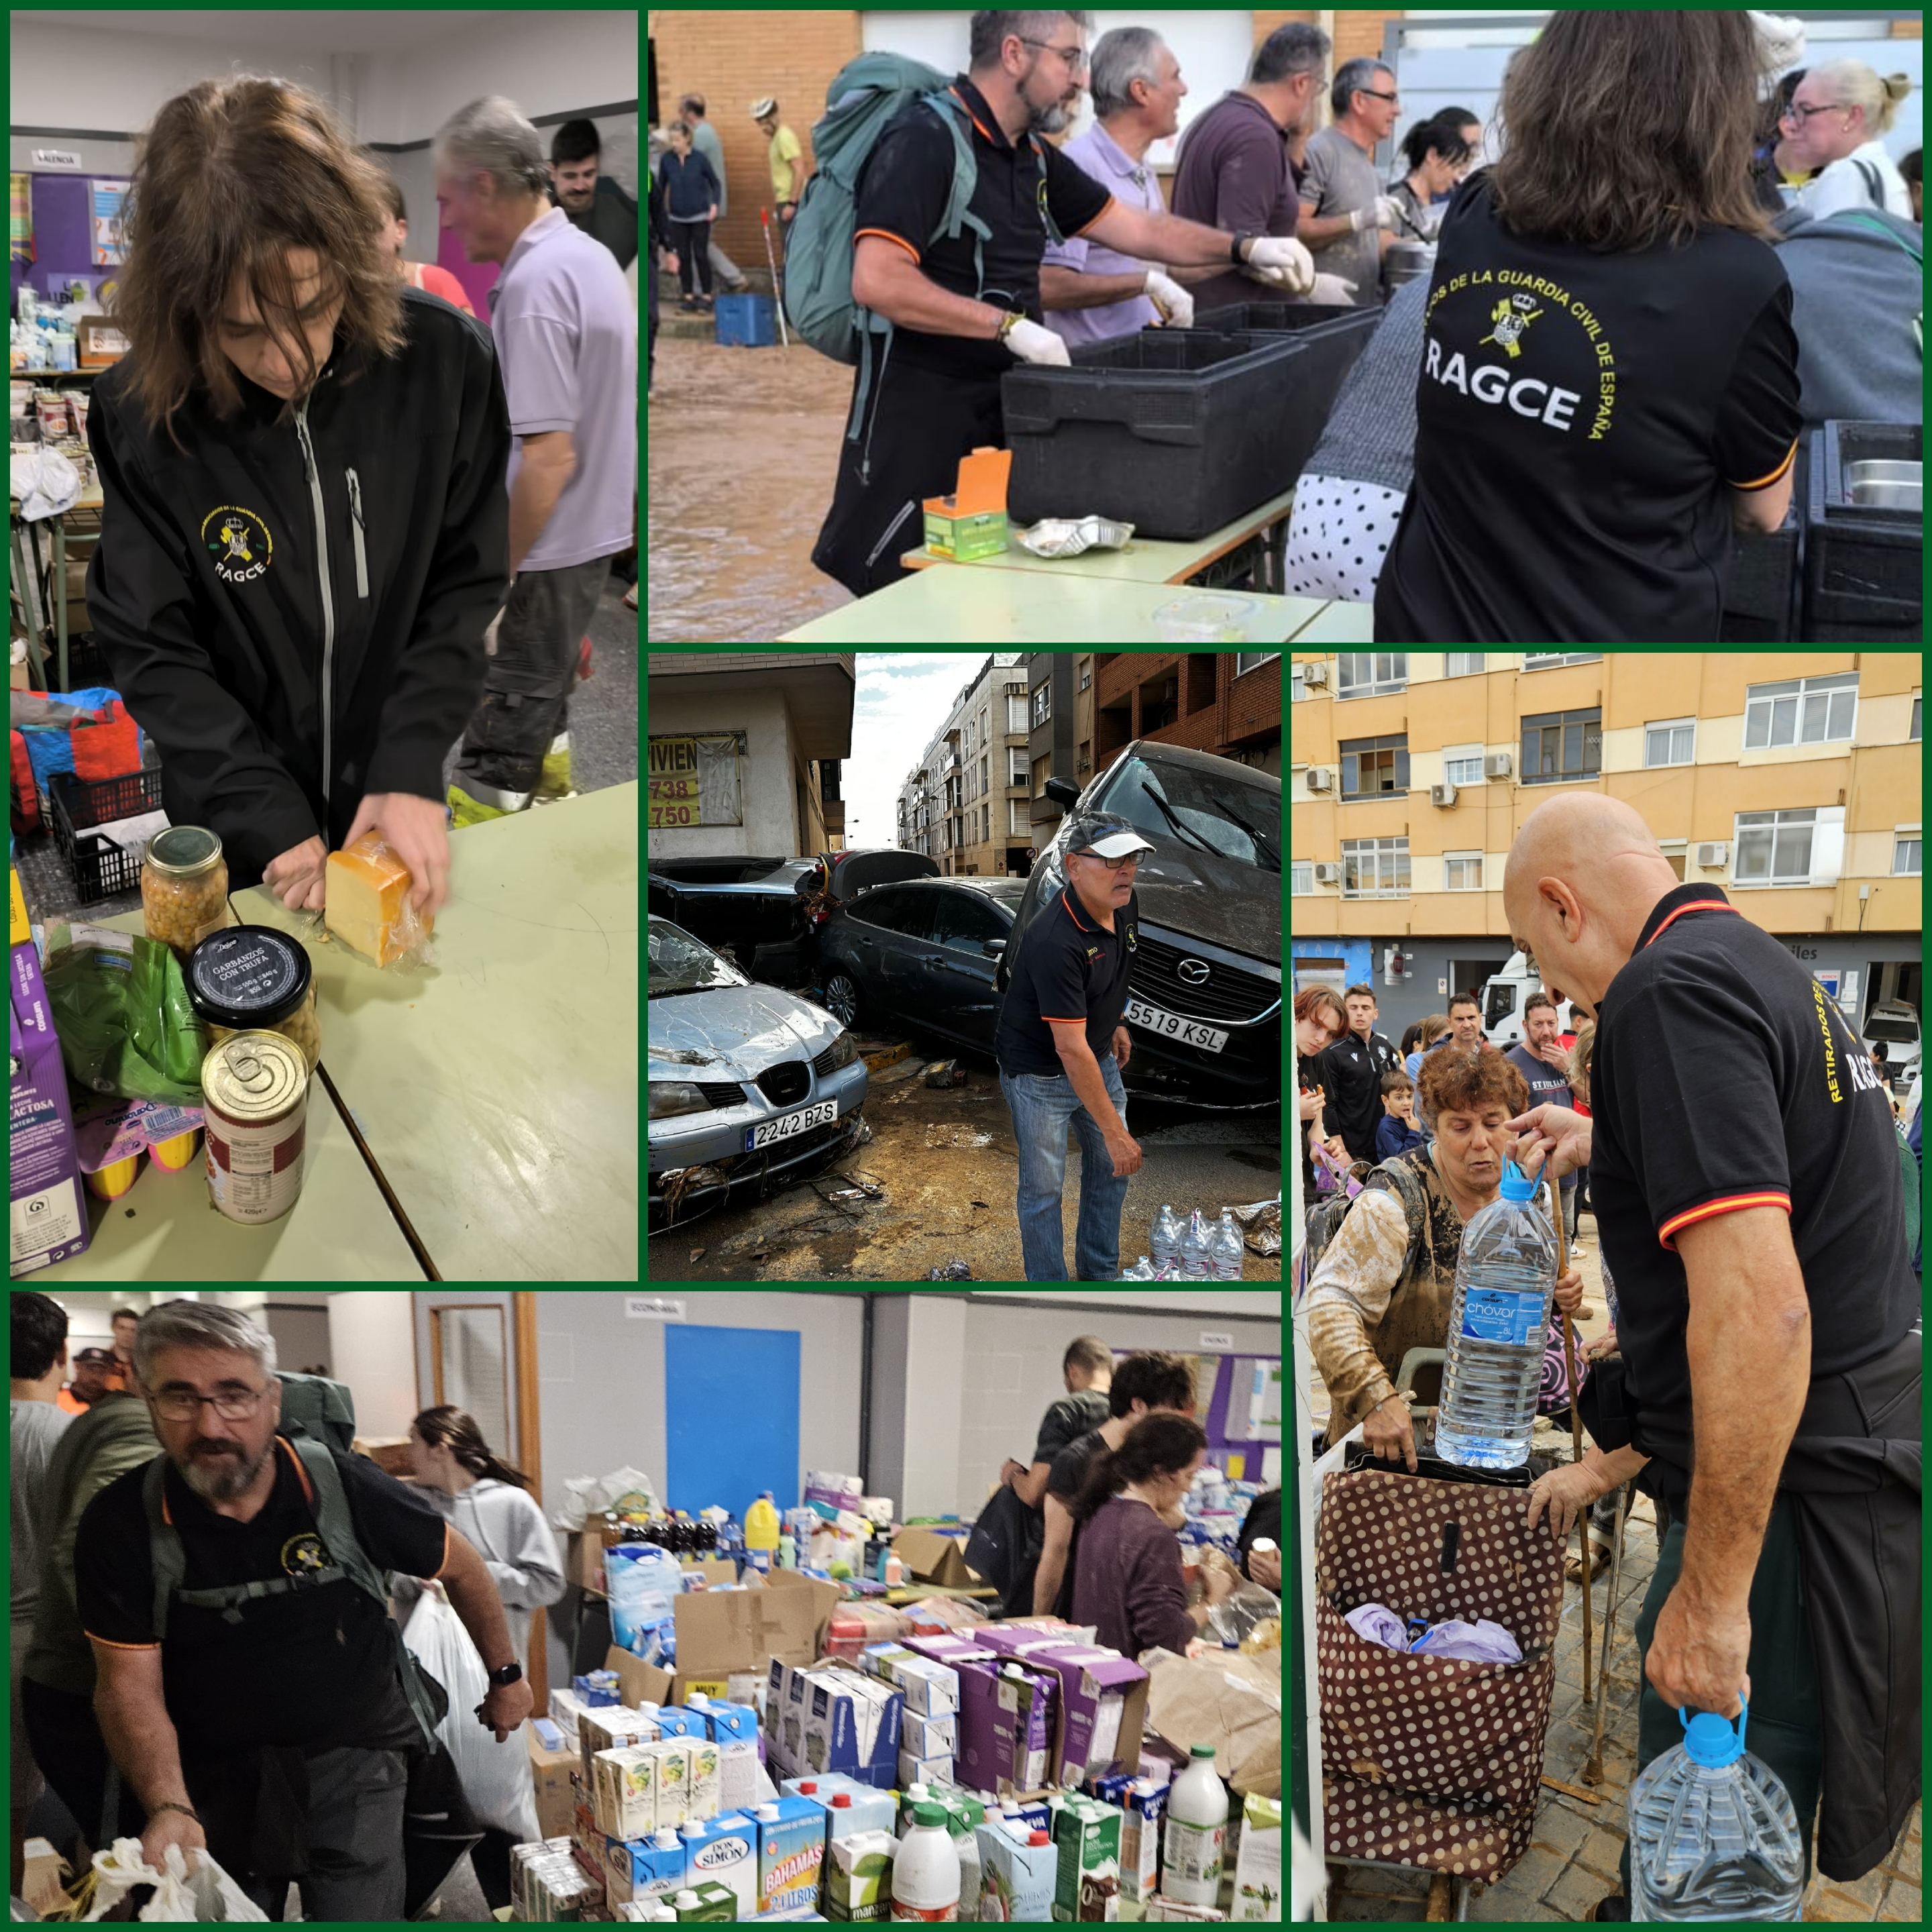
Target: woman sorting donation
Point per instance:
(1609, 387)
(491, 1504)
(1383, 1284)
(1437, 157)
(1129, 1583)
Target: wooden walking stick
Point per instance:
(1576, 1421)
(1592, 1772)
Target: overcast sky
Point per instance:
(902, 699)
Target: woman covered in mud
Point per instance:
(1383, 1284)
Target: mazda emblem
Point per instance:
(1194, 971)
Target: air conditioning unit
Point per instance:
(1712, 858)
(1328, 875)
(1442, 794)
(1497, 765)
(1321, 778)
(1313, 674)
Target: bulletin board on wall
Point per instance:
(1237, 1400)
(730, 1416)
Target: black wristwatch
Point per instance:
(1235, 254)
(505, 1673)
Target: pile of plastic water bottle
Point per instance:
(1195, 1249)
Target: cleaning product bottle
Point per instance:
(761, 1532)
(925, 1873)
(895, 1571)
(1197, 1823)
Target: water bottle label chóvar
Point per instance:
(1498, 1315)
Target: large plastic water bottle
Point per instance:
(1194, 1248)
(1226, 1250)
(1164, 1237)
(1713, 1835)
(1505, 1280)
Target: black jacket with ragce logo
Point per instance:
(295, 612)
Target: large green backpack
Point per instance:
(322, 1407)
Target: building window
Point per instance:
(1774, 848)
(1016, 712)
(1042, 702)
(1549, 660)
(1905, 855)
(1672, 742)
(1297, 690)
(1560, 747)
(1462, 872)
(1374, 767)
(1248, 661)
(1371, 673)
(1086, 673)
(1375, 869)
(1301, 877)
(1462, 663)
(1674, 850)
(1913, 733)
(1018, 770)
(1463, 771)
(1016, 819)
(1800, 711)
(985, 823)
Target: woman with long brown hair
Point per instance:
(305, 532)
(1608, 386)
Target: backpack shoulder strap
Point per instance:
(167, 1558)
(1874, 187)
(1397, 1178)
(1865, 221)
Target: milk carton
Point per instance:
(798, 1688)
(638, 1868)
(791, 1853)
(679, 1720)
(725, 1848)
(854, 1808)
(925, 1736)
(706, 1899)
(859, 1876)
(1258, 1863)
(522, 1856)
(624, 1791)
(1017, 1874)
(1140, 1840)
(1086, 1878)
(733, 1729)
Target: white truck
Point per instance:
(1504, 994)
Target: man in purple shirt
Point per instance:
(566, 337)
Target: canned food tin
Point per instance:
(254, 1098)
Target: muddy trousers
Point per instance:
(1785, 1726)
(917, 427)
(524, 718)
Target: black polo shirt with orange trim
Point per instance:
(1069, 967)
(903, 193)
(1726, 1077)
(312, 1668)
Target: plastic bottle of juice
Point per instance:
(1197, 1824)
(761, 1531)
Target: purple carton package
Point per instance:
(1102, 1710)
(1005, 1726)
(48, 1217)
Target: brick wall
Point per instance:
(733, 57)
(1252, 703)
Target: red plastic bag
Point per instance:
(107, 743)
(26, 799)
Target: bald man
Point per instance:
(1746, 1176)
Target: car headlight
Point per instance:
(676, 1096)
(842, 1051)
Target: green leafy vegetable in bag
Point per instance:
(122, 1010)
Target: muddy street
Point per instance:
(936, 1183)
(741, 446)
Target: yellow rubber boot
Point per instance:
(554, 781)
(470, 811)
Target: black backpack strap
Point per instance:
(1397, 1178)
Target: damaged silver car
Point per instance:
(751, 1088)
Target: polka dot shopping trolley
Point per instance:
(1432, 1761)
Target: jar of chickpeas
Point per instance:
(253, 979)
(184, 887)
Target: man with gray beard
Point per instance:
(259, 1710)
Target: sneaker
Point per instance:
(1575, 1252)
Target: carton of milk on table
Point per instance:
(733, 1729)
(1086, 1879)
(1017, 1876)
(726, 1848)
(859, 1876)
(642, 1868)
(791, 1853)
(1143, 1807)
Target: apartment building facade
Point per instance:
(963, 804)
(1792, 781)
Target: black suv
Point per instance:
(1205, 1005)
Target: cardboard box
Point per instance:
(549, 1772)
(933, 1557)
(1008, 1719)
(726, 1640)
(45, 1877)
(1103, 1708)
(49, 1221)
(390, 1453)
(584, 1562)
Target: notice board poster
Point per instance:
(695, 780)
(110, 199)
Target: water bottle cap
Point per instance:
(1708, 1739)
(1517, 1185)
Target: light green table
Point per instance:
(1340, 623)
(1142, 560)
(496, 1088)
(954, 603)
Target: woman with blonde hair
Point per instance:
(1838, 114)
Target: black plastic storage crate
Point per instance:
(1176, 431)
(1863, 566)
(101, 868)
(1761, 588)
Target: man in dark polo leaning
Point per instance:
(1061, 1043)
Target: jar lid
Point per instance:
(177, 851)
(248, 976)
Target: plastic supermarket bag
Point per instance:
(206, 1896)
(496, 1777)
(585, 1497)
(121, 1007)
(1236, 1615)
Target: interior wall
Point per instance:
(371, 1347)
(300, 1330)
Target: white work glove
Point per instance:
(1030, 343)
(1281, 262)
(1333, 290)
(1780, 44)
(1175, 305)
(1384, 211)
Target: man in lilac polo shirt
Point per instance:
(1091, 292)
(566, 336)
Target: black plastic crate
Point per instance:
(1761, 588)
(100, 868)
(1176, 431)
(1863, 566)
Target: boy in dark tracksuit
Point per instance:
(1396, 1132)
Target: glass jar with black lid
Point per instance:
(253, 977)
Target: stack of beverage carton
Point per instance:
(829, 1717)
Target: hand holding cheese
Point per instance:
(418, 830)
(368, 903)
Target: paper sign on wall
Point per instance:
(1442, 985)
(63, 160)
(653, 1308)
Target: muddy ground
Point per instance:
(742, 445)
(938, 1182)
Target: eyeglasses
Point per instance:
(1075, 58)
(1394, 100)
(1112, 865)
(1800, 116)
(184, 1405)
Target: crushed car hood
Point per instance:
(1215, 899)
(733, 1032)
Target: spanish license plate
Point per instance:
(786, 1125)
(1190, 1033)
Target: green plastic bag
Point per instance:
(122, 1010)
